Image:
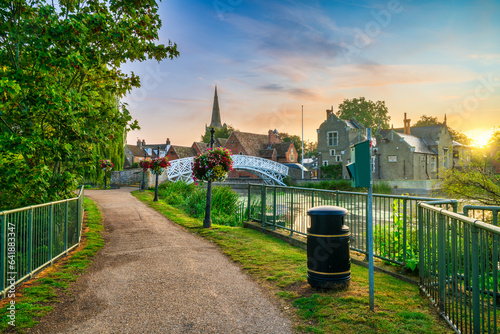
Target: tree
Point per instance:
(474, 184)
(370, 114)
(296, 140)
(60, 79)
(223, 132)
(456, 135)
(426, 121)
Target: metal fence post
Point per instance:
(337, 201)
(51, 227)
(312, 198)
(3, 245)
(66, 226)
(274, 208)
(405, 226)
(495, 217)
(30, 240)
(421, 244)
(291, 212)
(249, 201)
(476, 317)
(263, 205)
(441, 244)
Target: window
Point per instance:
(338, 158)
(373, 164)
(433, 164)
(445, 158)
(325, 163)
(241, 153)
(392, 158)
(332, 153)
(332, 138)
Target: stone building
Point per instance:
(408, 153)
(335, 137)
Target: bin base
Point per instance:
(338, 283)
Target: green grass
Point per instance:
(37, 299)
(281, 268)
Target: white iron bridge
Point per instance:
(270, 171)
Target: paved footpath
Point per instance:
(154, 277)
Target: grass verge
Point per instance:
(282, 269)
(36, 298)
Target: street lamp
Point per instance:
(143, 184)
(156, 185)
(207, 223)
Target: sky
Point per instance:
(270, 58)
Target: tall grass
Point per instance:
(192, 200)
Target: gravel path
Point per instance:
(154, 277)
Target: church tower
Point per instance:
(216, 121)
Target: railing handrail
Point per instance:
(471, 221)
(5, 212)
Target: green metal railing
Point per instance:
(395, 217)
(459, 263)
(35, 236)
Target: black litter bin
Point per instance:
(328, 259)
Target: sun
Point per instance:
(480, 137)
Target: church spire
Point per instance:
(216, 121)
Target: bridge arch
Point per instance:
(270, 171)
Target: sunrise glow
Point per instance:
(480, 137)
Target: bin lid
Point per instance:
(327, 210)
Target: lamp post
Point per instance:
(156, 184)
(207, 223)
(143, 184)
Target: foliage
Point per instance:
(393, 247)
(213, 165)
(223, 132)
(135, 165)
(426, 121)
(60, 85)
(296, 140)
(370, 114)
(145, 164)
(456, 135)
(192, 199)
(331, 172)
(473, 184)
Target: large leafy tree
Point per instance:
(456, 135)
(60, 83)
(474, 183)
(370, 114)
(223, 132)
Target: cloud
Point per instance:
(272, 87)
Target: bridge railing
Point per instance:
(33, 237)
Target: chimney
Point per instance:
(139, 143)
(329, 112)
(168, 141)
(406, 125)
(143, 142)
(273, 137)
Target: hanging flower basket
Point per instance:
(158, 165)
(106, 165)
(145, 164)
(213, 165)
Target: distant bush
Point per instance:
(345, 185)
(192, 199)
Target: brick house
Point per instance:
(264, 146)
(134, 154)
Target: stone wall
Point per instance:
(133, 176)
